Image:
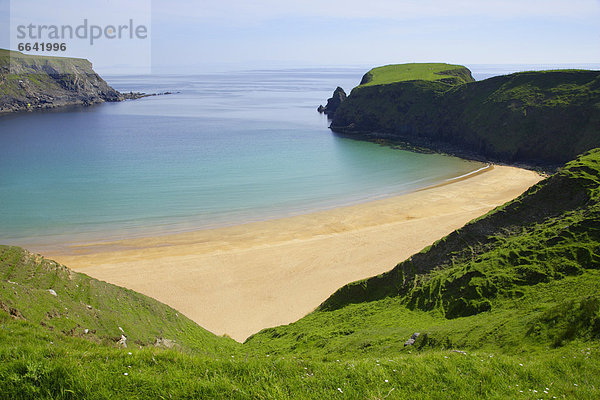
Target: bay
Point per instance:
(222, 149)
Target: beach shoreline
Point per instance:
(237, 280)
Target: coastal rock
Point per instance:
(338, 97)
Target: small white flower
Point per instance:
(129, 353)
(386, 381)
(340, 390)
(125, 373)
(520, 364)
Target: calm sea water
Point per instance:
(225, 149)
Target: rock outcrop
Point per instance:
(338, 97)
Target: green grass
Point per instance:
(447, 73)
(35, 364)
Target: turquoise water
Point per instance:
(226, 149)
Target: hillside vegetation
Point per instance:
(50, 295)
(542, 118)
(30, 82)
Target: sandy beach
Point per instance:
(238, 280)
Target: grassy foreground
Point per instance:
(506, 307)
(36, 364)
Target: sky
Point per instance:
(224, 34)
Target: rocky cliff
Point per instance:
(37, 82)
(541, 118)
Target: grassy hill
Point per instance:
(46, 294)
(541, 118)
(30, 82)
(446, 73)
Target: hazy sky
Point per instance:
(242, 33)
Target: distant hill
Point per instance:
(37, 82)
(542, 118)
(445, 73)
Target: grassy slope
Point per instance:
(85, 303)
(546, 117)
(447, 73)
(45, 365)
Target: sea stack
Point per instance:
(333, 102)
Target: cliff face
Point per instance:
(545, 118)
(37, 82)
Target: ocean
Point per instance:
(222, 149)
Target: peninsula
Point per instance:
(538, 118)
(29, 83)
